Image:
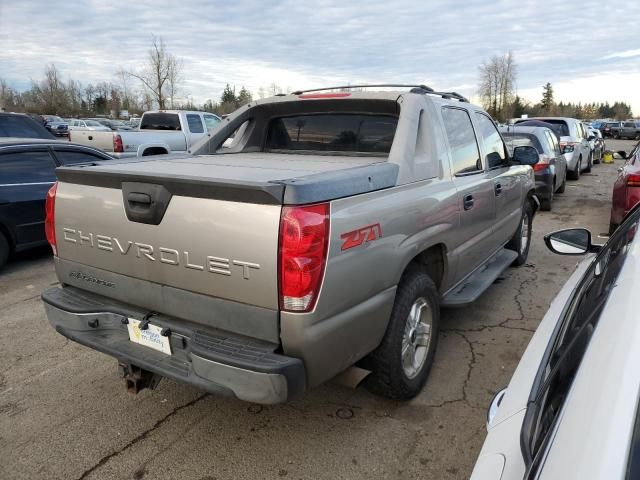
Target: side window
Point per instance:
(73, 157)
(462, 140)
(211, 121)
(27, 167)
(195, 123)
(496, 151)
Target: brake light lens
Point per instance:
(117, 144)
(543, 163)
(567, 147)
(304, 238)
(50, 217)
(633, 180)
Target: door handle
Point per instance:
(498, 189)
(467, 202)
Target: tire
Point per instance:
(391, 375)
(545, 204)
(517, 241)
(589, 165)
(575, 174)
(4, 250)
(564, 183)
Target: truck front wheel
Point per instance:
(401, 363)
(521, 240)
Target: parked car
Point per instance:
(134, 123)
(240, 255)
(574, 143)
(27, 171)
(551, 169)
(626, 189)
(160, 132)
(22, 126)
(89, 125)
(571, 409)
(113, 125)
(56, 125)
(629, 129)
(606, 128)
(596, 143)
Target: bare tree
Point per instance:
(161, 76)
(498, 84)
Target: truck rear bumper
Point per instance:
(213, 360)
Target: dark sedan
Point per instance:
(19, 125)
(27, 172)
(551, 170)
(626, 189)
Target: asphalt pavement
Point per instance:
(65, 414)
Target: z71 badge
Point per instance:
(362, 235)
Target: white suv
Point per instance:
(571, 408)
(574, 142)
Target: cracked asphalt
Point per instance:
(65, 414)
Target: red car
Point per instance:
(626, 189)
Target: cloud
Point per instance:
(625, 54)
(310, 44)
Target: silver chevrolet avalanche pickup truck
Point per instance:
(309, 233)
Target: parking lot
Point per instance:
(64, 412)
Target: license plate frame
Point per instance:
(150, 337)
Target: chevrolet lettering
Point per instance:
(169, 256)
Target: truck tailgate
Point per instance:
(214, 247)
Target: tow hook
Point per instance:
(137, 378)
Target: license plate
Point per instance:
(150, 337)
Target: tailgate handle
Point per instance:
(139, 198)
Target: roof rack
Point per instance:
(423, 89)
(345, 87)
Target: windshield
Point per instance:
(333, 132)
(53, 118)
(92, 123)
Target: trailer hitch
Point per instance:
(137, 378)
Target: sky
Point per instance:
(586, 49)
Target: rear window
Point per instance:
(21, 127)
(559, 127)
(515, 139)
(160, 121)
(333, 133)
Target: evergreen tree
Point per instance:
(228, 95)
(547, 98)
(244, 96)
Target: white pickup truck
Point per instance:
(160, 132)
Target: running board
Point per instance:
(480, 280)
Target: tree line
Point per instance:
(498, 94)
(158, 83)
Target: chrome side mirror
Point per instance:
(572, 241)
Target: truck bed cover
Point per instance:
(260, 177)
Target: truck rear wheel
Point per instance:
(401, 363)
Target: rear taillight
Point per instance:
(304, 238)
(543, 163)
(117, 144)
(567, 147)
(50, 217)
(633, 180)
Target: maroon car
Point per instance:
(626, 189)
